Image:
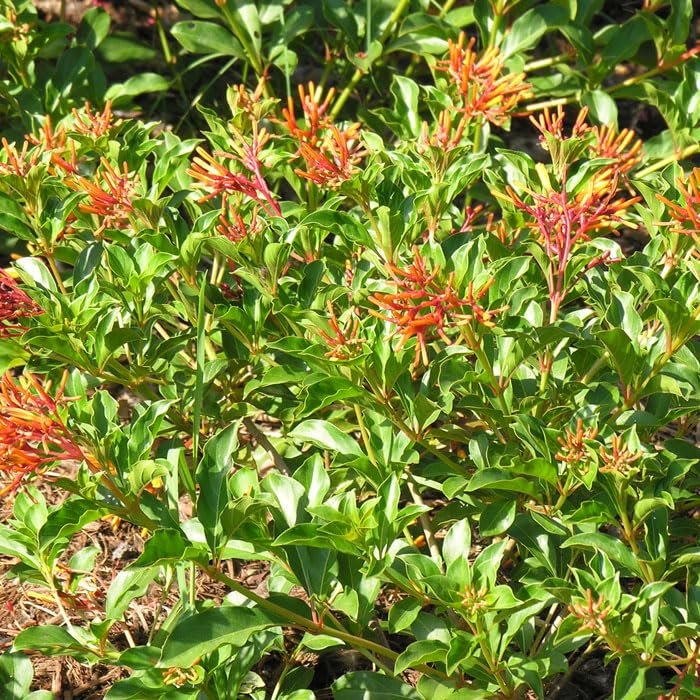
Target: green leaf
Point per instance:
(527, 29)
(457, 542)
(51, 640)
(207, 38)
(420, 652)
(205, 632)
(137, 85)
(13, 219)
(501, 480)
(616, 550)
(201, 8)
(405, 92)
(94, 27)
(403, 614)
(365, 685)
(630, 679)
(622, 351)
(167, 547)
(127, 585)
(211, 476)
(326, 436)
(497, 517)
(122, 49)
(36, 270)
(623, 41)
(16, 673)
(601, 106)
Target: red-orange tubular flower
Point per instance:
(563, 220)
(686, 216)
(15, 305)
(315, 117)
(94, 124)
(111, 201)
(484, 88)
(344, 343)
(32, 434)
(216, 179)
(552, 124)
(232, 225)
(16, 162)
(622, 147)
(52, 141)
(424, 308)
(332, 161)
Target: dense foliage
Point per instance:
(419, 335)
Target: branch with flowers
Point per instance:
(417, 352)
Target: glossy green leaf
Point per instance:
(204, 632)
(365, 685)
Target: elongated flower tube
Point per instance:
(315, 114)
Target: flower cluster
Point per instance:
(16, 162)
(623, 148)
(343, 343)
(552, 124)
(424, 308)
(686, 216)
(219, 180)
(591, 613)
(330, 154)
(332, 161)
(109, 200)
(233, 226)
(315, 114)
(54, 142)
(32, 434)
(562, 219)
(573, 451)
(483, 87)
(619, 460)
(15, 304)
(445, 136)
(94, 124)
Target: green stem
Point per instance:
(425, 524)
(493, 34)
(199, 376)
(475, 346)
(545, 62)
(676, 157)
(630, 536)
(54, 270)
(302, 623)
(357, 75)
(239, 32)
(365, 435)
(600, 362)
(446, 8)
